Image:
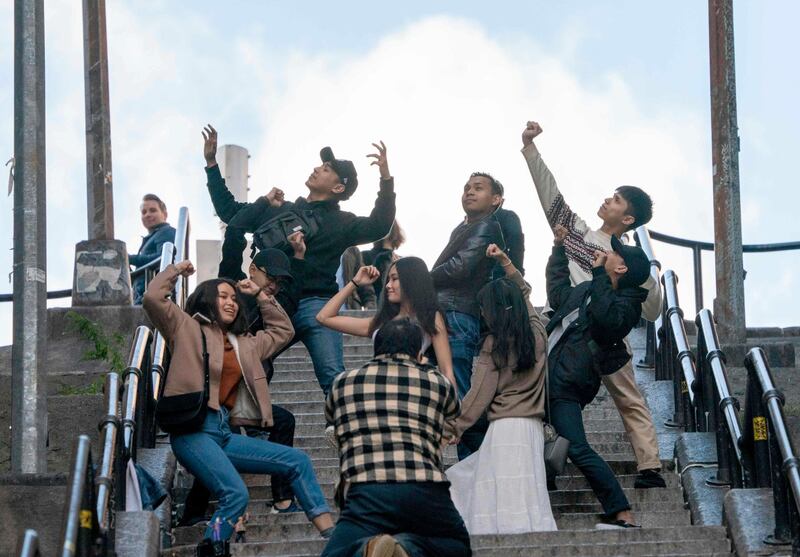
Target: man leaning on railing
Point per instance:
(159, 232)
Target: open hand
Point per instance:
(298, 242)
(366, 275)
(275, 197)
(600, 258)
(380, 160)
(185, 268)
(210, 145)
(532, 129)
(560, 234)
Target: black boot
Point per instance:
(207, 548)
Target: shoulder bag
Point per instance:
(185, 413)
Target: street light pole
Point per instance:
(29, 389)
(729, 309)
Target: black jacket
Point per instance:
(463, 268)
(514, 239)
(592, 345)
(338, 230)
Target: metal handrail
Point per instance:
(713, 383)
(109, 431)
(675, 356)
(181, 253)
(698, 247)
(642, 237)
(80, 530)
(132, 392)
(773, 453)
(29, 544)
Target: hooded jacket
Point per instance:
(592, 344)
(182, 333)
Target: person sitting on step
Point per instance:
(502, 488)
(211, 337)
(408, 292)
(627, 208)
(586, 335)
(389, 419)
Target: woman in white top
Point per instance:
(408, 292)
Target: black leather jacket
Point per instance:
(463, 268)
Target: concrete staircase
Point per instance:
(667, 526)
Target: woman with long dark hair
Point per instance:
(408, 292)
(211, 336)
(502, 488)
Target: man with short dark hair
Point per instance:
(332, 181)
(389, 419)
(627, 208)
(159, 232)
(460, 271)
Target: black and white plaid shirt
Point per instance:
(389, 418)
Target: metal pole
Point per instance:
(99, 185)
(29, 390)
(729, 304)
(698, 278)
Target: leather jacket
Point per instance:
(463, 268)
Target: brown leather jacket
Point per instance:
(182, 333)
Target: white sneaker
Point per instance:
(330, 437)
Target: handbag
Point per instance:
(555, 446)
(185, 413)
(274, 232)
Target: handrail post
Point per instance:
(80, 529)
(109, 428)
(29, 544)
(642, 237)
(697, 256)
(755, 438)
(130, 378)
(780, 494)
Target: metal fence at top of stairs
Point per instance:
(756, 452)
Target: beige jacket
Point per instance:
(182, 333)
(506, 393)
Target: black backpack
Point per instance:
(274, 232)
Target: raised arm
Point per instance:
(225, 205)
(363, 230)
(278, 330)
(558, 283)
(329, 316)
(555, 207)
(159, 308)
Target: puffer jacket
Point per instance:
(592, 345)
(182, 333)
(463, 268)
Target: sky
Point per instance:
(621, 89)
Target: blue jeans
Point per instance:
(464, 335)
(565, 415)
(420, 515)
(215, 456)
(324, 344)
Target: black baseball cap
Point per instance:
(635, 260)
(345, 169)
(273, 262)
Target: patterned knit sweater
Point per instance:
(581, 241)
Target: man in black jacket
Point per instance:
(332, 181)
(459, 272)
(585, 341)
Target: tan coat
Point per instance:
(182, 333)
(506, 393)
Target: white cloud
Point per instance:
(445, 97)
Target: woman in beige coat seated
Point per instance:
(213, 327)
(502, 488)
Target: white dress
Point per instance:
(502, 488)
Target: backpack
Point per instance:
(274, 232)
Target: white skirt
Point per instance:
(502, 488)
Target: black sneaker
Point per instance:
(615, 525)
(207, 548)
(648, 479)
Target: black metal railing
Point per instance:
(642, 237)
(698, 248)
(29, 544)
(80, 534)
(770, 449)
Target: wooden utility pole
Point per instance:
(729, 263)
(99, 185)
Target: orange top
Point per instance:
(231, 375)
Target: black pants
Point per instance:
(281, 432)
(565, 415)
(245, 220)
(420, 515)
